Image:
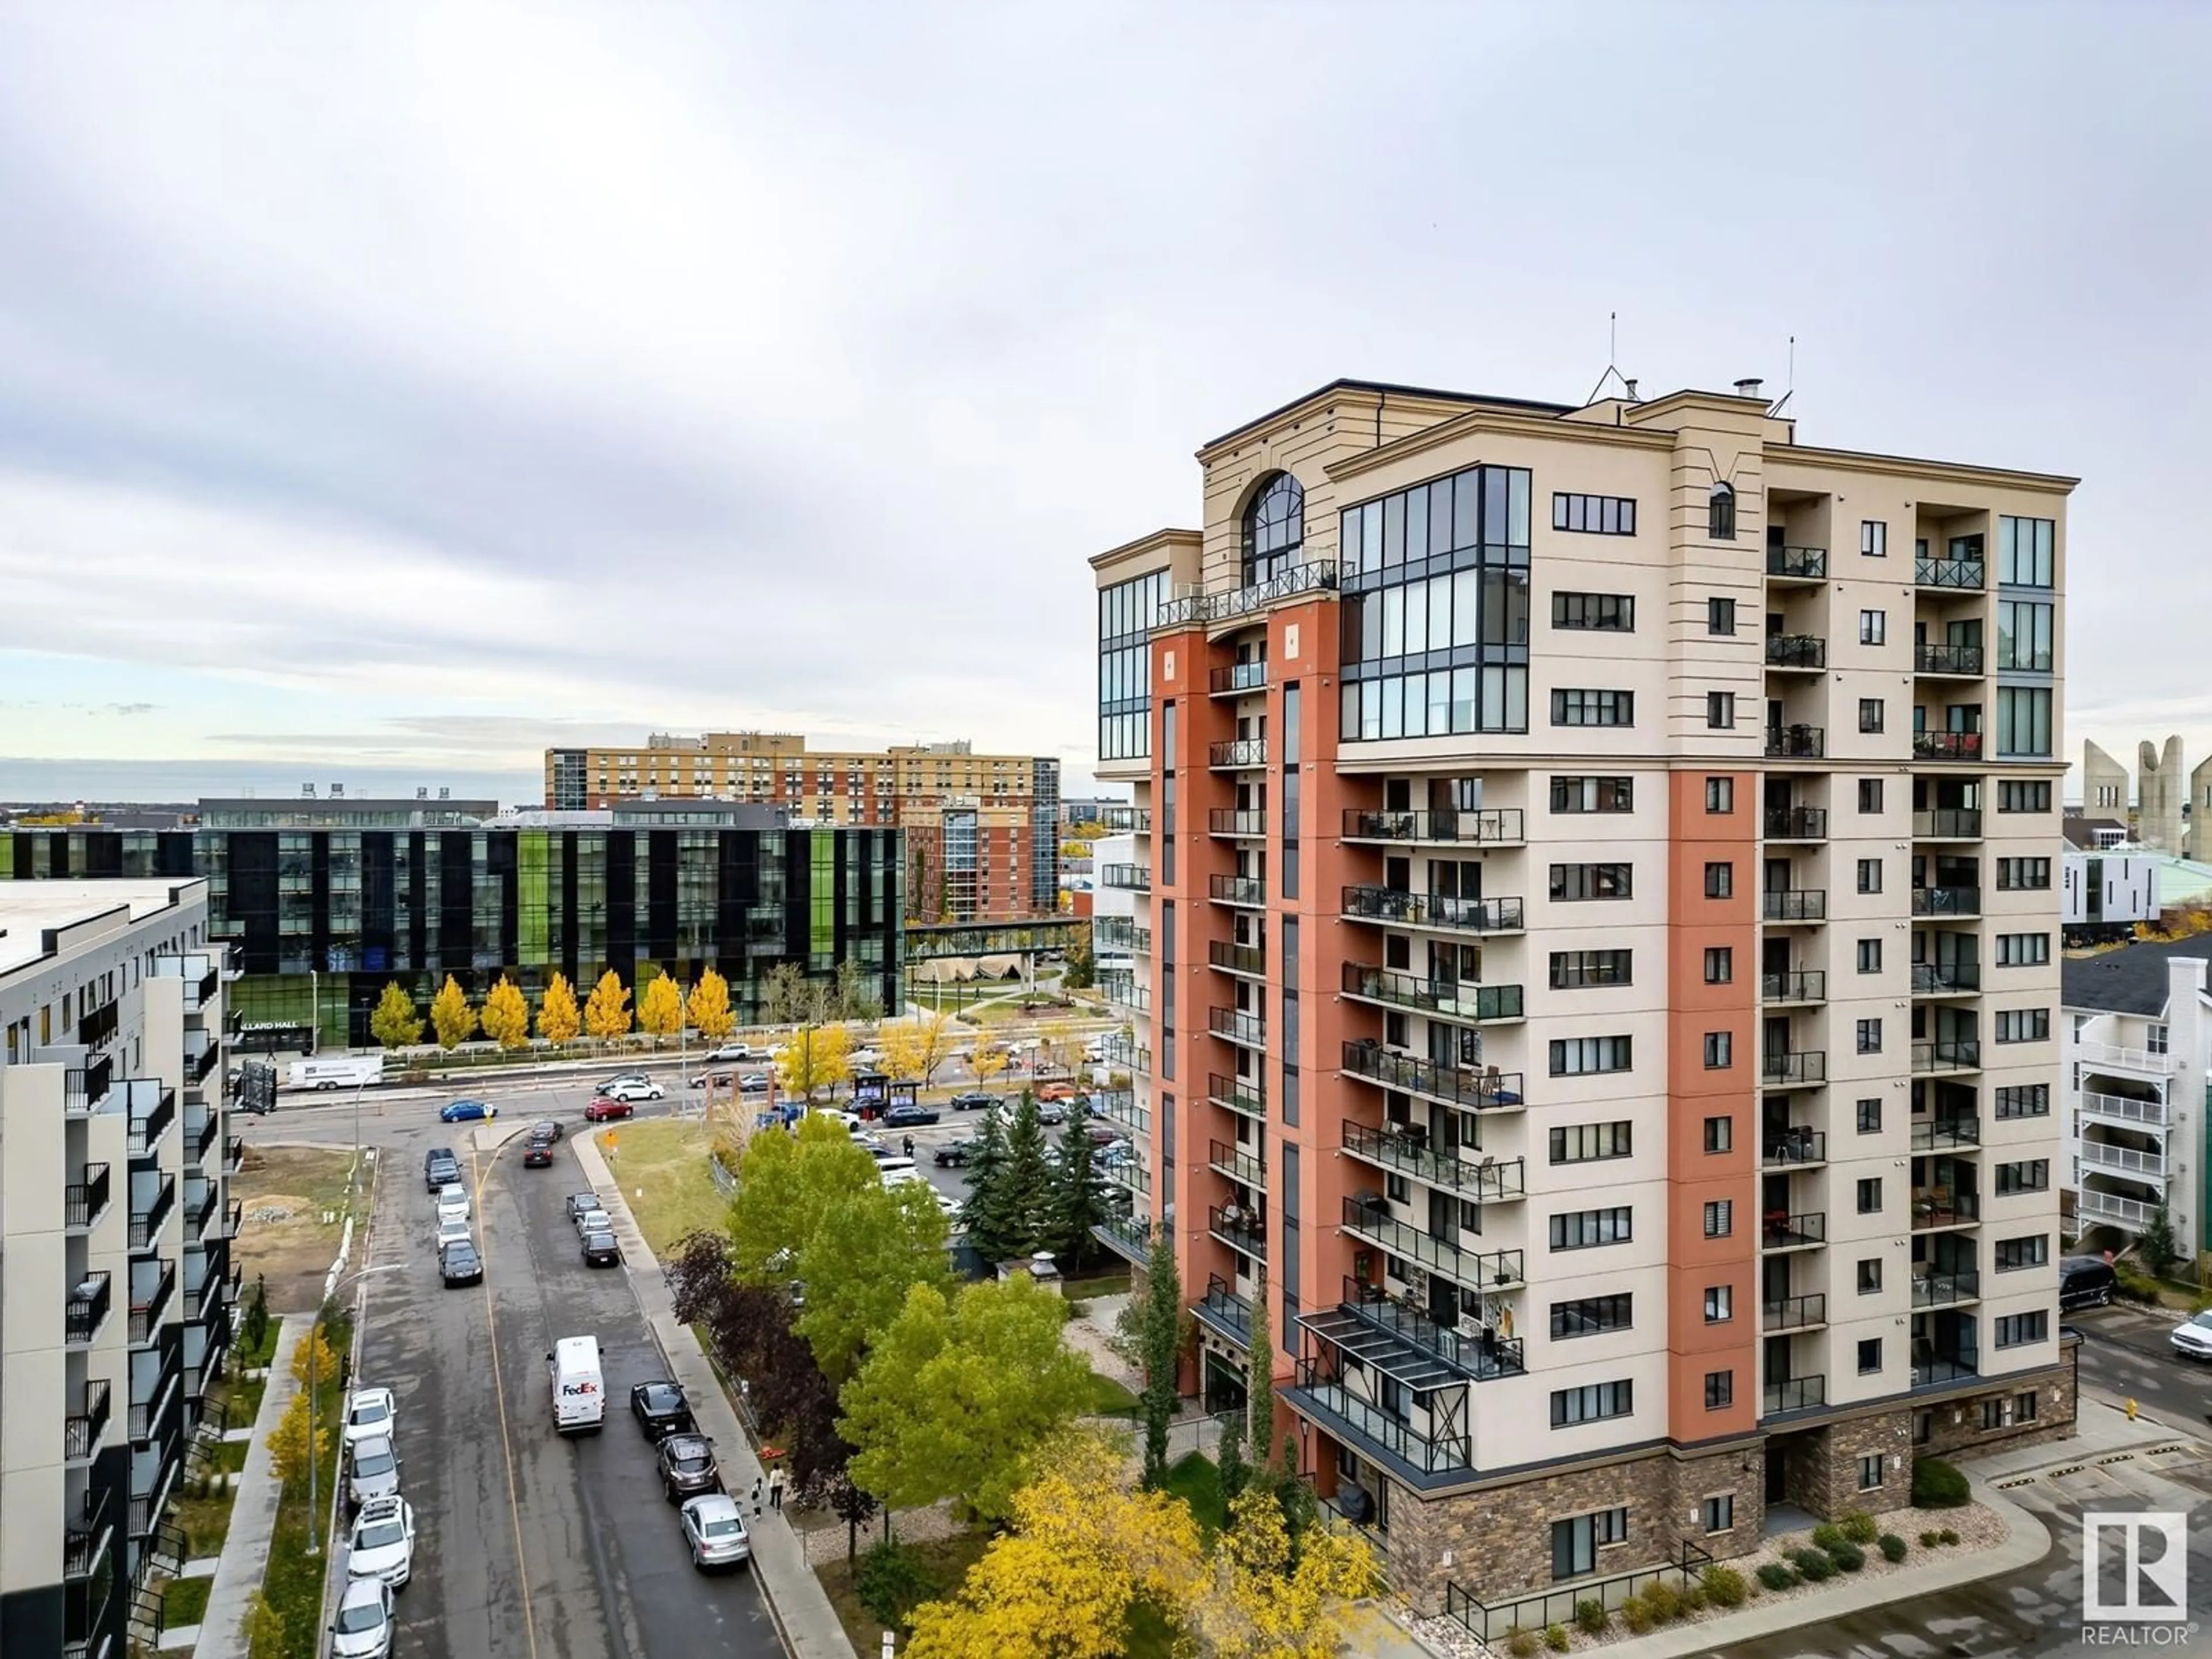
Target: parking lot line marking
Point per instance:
(498, 1396)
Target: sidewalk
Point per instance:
(795, 1597)
(252, 1514)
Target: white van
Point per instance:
(580, 1391)
(345, 1071)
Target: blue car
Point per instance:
(464, 1111)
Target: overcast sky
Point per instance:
(386, 392)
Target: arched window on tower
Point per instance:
(1722, 512)
(1275, 528)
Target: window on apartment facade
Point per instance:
(1582, 1056)
(1720, 514)
(1581, 795)
(2003, 1412)
(1869, 1117)
(2012, 1253)
(1720, 711)
(2026, 552)
(1720, 1303)
(1869, 956)
(1720, 964)
(1594, 515)
(1576, 970)
(1870, 1355)
(1720, 881)
(1720, 1134)
(2023, 950)
(1592, 1316)
(2023, 1024)
(1870, 1472)
(1576, 1542)
(1869, 1275)
(2022, 796)
(1869, 875)
(2024, 719)
(2030, 1176)
(2013, 1329)
(1720, 616)
(2023, 875)
(2154, 1037)
(1586, 1230)
(2023, 1100)
(1869, 795)
(1587, 1143)
(1869, 1036)
(1874, 538)
(1592, 1402)
(2024, 636)
(1611, 613)
(1571, 883)
(1720, 796)
(1869, 1195)
(1587, 708)
(1720, 1218)
(1720, 1050)
(1720, 1513)
(1871, 714)
(1720, 1390)
(1874, 628)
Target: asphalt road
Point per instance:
(2126, 1352)
(529, 1545)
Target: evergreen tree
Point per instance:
(1160, 1326)
(1230, 1460)
(1026, 1186)
(2156, 1244)
(983, 1213)
(1260, 1385)
(1079, 1196)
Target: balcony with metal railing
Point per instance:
(1369, 1310)
(1433, 910)
(233, 1152)
(1134, 1179)
(1796, 824)
(2126, 1109)
(2131, 1161)
(1454, 1086)
(1946, 1365)
(1790, 905)
(1948, 1054)
(83, 1202)
(148, 1416)
(1406, 1151)
(1130, 877)
(202, 1203)
(1796, 1147)
(1797, 742)
(1121, 989)
(152, 1109)
(1936, 1209)
(86, 1309)
(1119, 1106)
(1237, 1162)
(1805, 984)
(1244, 1097)
(1127, 820)
(1120, 934)
(1940, 1290)
(1249, 960)
(1236, 754)
(1501, 826)
(1948, 823)
(1319, 1391)
(201, 1128)
(97, 1030)
(1929, 571)
(1249, 891)
(1238, 679)
(1460, 1001)
(1795, 1068)
(1234, 1026)
(202, 1053)
(1779, 1230)
(1947, 901)
(1964, 661)
(1370, 1221)
(1227, 1314)
(147, 1215)
(1788, 653)
(148, 1305)
(1952, 1132)
(85, 1538)
(1794, 1313)
(82, 1429)
(1127, 1236)
(1229, 603)
(1236, 824)
(1803, 564)
(1947, 979)
(1793, 1394)
(1240, 1229)
(1947, 745)
(231, 1218)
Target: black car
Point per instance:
(2087, 1281)
(538, 1155)
(440, 1167)
(580, 1202)
(661, 1410)
(973, 1101)
(460, 1264)
(546, 1129)
(909, 1117)
(688, 1467)
(954, 1154)
(600, 1250)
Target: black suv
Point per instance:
(687, 1467)
(440, 1168)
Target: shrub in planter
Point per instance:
(1590, 1616)
(1694, 1598)
(1930, 1539)
(1827, 1535)
(1635, 1615)
(1947, 1537)
(1813, 1565)
(1850, 1557)
(1776, 1576)
(1724, 1586)
(1937, 1486)
(1860, 1526)
(1555, 1637)
(1664, 1601)
(1523, 1643)
(1893, 1547)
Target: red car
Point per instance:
(604, 1110)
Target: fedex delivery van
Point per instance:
(342, 1071)
(580, 1391)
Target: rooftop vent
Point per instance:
(1631, 386)
(1748, 388)
(338, 792)
(306, 792)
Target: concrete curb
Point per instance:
(252, 1512)
(794, 1596)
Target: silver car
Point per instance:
(371, 1472)
(715, 1529)
(362, 1628)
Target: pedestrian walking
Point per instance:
(756, 1497)
(907, 1145)
(775, 1490)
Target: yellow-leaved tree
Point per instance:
(1264, 1604)
(661, 1006)
(815, 1057)
(988, 1060)
(912, 1049)
(392, 1022)
(558, 1021)
(314, 1358)
(289, 1444)
(1084, 1555)
(506, 1015)
(606, 1011)
(708, 1007)
(451, 1017)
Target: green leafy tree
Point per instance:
(708, 1007)
(2156, 1244)
(958, 1395)
(865, 1252)
(787, 1184)
(558, 1018)
(982, 1212)
(1161, 1326)
(393, 1023)
(1260, 1385)
(506, 1015)
(451, 1017)
(1025, 1187)
(1077, 1196)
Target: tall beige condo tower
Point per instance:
(2104, 783)
(2158, 796)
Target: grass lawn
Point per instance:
(243, 1401)
(204, 1522)
(294, 1252)
(229, 1456)
(666, 1159)
(946, 1560)
(183, 1601)
(1108, 1397)
(292, 1581)
(1087, 1290)
(1193, 1479)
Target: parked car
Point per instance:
(710, 1079)
(439, 1166)
(452, 1200)
(630, 1085)
(593, 1221)
(1056, 1092)
(361, 1627)
(688, 1467)
(464, 1111)
(953, 1155)
(383, 1542)
(1052, 1112)
(1101, 1135)
(715, 1532)
(580, 1202)
(2087, 1281)
(453, 1229)
(460, 1264)
(972, 1100)
(753, 1083)
(2192, 1338)
(740, 1052)
(370, 1413)
(371, 1472)
(850, 1120)
(909, 1117)
(600, 1250)
(661, 1409)
(606, 1108)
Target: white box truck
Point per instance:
(344, 1071)
(579, 1392)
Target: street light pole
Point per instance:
(314, 1337)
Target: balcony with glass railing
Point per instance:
(1236, 824)
(1951, 1132)
(1433, 910)
(1797, 1147)
(1132, 877)
(1945, 1290)
(1946, 979)
(1249, 891)
(1127, 820)
(1806, 985)
(1126, 1235)
(1794, 1068)
(1459, 1000)
(1793, 1394)
(1226, 1313)
(1240, 1229)
(1947, 1054)
(1238, 679)
(1369, 1312)
(1947, 901)
(1406, 1151)
(1794, 1313)
(1781, 1230)
(1119, 1106)
(1234, 1026)
(1238, 1163)
(1947, 745)
(1790, 905)
(1797, 564)
(1475, 1089)
(1796, 824)
(1964, 661)
(1250, 961)
(1118, 934)
(1787, 652)
(1370, 1221)
(1797, 742)
(1948, 823)
(1503, 826)
(1321, 1394)
(1934, 1209)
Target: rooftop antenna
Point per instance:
(1611, 358)
(1790, 384)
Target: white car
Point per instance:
(452, 1201)
(714, 1530)
(865, 1059)
(371, 1414)
(737, 1052)
(853, 1126)
(383, 1544)
(454, 1229)
(2192, 1339)
(362, 1628)
(631, 1086)
(593, 1221)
